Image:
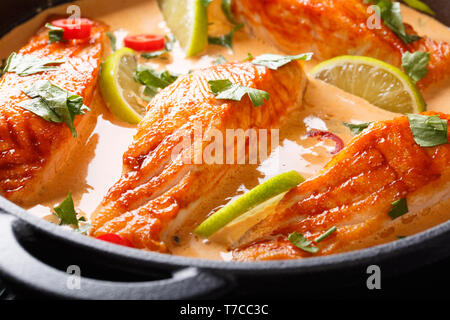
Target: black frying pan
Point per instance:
(35, 254)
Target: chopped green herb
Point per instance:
(2, 67)
(401, 237)
(220, 59)
(298, 240)
(113, 40)
(206, 3)
(419, 5)
(225, 89)
(226, 8)
(392, 18)
(152, 80)
(399, 208)
(53, 103)
(55, 33)
(415, 64)
(357, 128)
(250, 57)
(25, 65)
(325, 235)
(428, 131)
(66, 212)
(274, 61)
(225, 40)
(154, 54)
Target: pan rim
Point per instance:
(322, 263)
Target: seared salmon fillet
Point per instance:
(31, 148)
(355, 193)
(161, 186)
(331, 28)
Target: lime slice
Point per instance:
(119, 89)
(382, 84)
(188, 20)
(236, 229)
(272, 187)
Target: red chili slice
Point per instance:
(144, 42)
(74, 28)
(328, 135)
(114, 238)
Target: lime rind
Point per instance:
(338, 63)
(188, 21)
(268, 189)
(111, 89)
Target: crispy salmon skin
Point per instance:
(159, 189)
(332, 28)
(355, 192)
(31, 148)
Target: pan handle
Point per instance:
(20, 267)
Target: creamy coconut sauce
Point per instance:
(99, 164)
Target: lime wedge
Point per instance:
(382, 84)
(236, 229)
(270, 188)
(188, 20)
(119, 89)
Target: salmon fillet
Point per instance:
(355, 192)
(32, 150)
(157, 189)
(331, 28)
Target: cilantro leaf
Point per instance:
(399, 208)
(392, 18)
(298, 240)
(225, 89)
(55, 34)
(275, 61)
(66, 212)
(2, 67)
(428, 131)
(225, 40)
(152, 80)
(415, 64)
(154, 54)
(226, 8)
(326, 234)
(357, 128)
(25, 65)
(419, 5)
(53, 103)
(206, 3)
(250, 57)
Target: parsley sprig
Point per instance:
(67, 215)
(25, 65)
(275, 61)
(392, 18)
(55, 34)
(225, 89)
(399, 208)
(415, 64)
(357, 128)
(428, 131)
(53, 103)
(299, 240)
(225, 40)
(153, 80)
